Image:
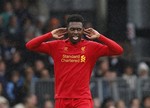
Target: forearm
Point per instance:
(36, 42)
(113, 47)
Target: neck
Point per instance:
(74, 43)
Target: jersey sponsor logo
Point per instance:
(73, 58)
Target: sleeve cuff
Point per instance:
(50, 35)
(101, 37)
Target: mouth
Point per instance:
(75, 37)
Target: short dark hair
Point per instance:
(75, 18)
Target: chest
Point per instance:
(73, 50)
(73, 54)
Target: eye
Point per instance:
(71, 29)
(79, 29)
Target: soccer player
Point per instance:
(74, 59)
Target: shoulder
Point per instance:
(54, 42)
(92, 43)
(10, 84)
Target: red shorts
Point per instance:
(73, 103)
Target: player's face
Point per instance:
(75, 31)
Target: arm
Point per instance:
(111, 46)
(109, 49)
(39, 44)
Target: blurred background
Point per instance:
(26, 78)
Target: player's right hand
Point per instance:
(59, 33)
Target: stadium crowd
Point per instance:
(20, 21)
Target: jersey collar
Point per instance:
(68, 42)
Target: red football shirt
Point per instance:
(73, 64)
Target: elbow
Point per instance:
(117, 51)
(28, 46)
(120, 51)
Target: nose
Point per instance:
(75, 31)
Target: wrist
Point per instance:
(50, 35)
(98, 36)
(101, 37)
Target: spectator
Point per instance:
(96, 102)
(45, 74)
(3, 80)
(27, 25)
(143, 70)
(108, 83)
(130, 77)
(143, 74)
(16, 63)
(31, 101)
(7, 13)
(135, 103)
(43, 9)
(29, 77)
(48, 104)
(20, 105)
(13, 31)
(120, 104)
(29, 34)
(1, 89)
(117, 63)
(1, 27)
(102, 67)
(39, 26)
(7, 49)
(108, 103)
(15, 88)
(4, 102)
(146, 102)
(53, 23)
(39, 66)
(2, 69)
(110, 75)
(33, 8)
(21, 10)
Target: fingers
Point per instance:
(63, 33)
(87, 32)
(59, 37)
(89, 29)
(59, 31)
(62, 29)
(89, 37)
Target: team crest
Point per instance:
(83, 49)
(65, 48)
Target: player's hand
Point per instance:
(91, 33)
(59, 33)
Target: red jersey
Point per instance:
(73, 63)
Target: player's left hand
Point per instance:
(91, 33)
